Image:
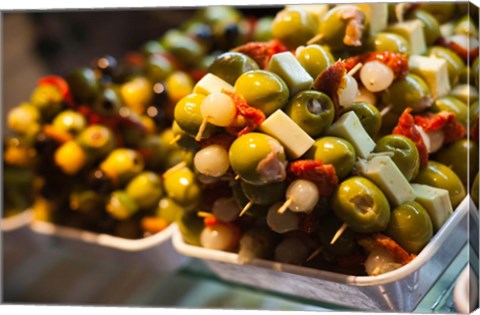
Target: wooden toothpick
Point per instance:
(355, 69)
(247, 207)
(339, 233)
(201, 130)
(285, 206)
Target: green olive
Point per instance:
(465, 92)
(410, 91)
(152, 47)
(439, 175)
(265, 195)
(168, 209)
(24, 119)
(145, 189)
(361, 205)
(405, 154)
(258, 159)
(369, 116)
(313, 111)
(190, 226)
(182, 187)
(158, 68)
(231, 65)
(256, 210)
(215, 14)
(473, 113)
(314, 58)
(333, 27)
(189, 116)
(431, 29)
(185, 141)
(108, 102)
(474, 190)
(86, 201)
(263, 29)
(262, 89)
(97, 140)
(455, 64)
(336, 151)
(386, 41)
(476, 71)
(176, 156)
(466, 26)
(455, 156)
(48, 99)
(442, 11)
(122, 165)
(121, 206)
(294, 27)
(346, 244)
(70, 122)
(154, 151)
(452, 105)
(186, 49)
(83, 85)
(410, 226)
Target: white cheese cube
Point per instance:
(291, 71)
(350, 128)
(210, 83)
(376, 15)
(381, 170)
(295, 141)
(413, 33)
(436, 201)
(434, 71)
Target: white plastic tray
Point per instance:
(154, 251)
(399, 290)
(15, 228)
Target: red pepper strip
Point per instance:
(254, 117)
(61, 84)
(406, 127)
(313, 170)
(224, 140)
(451, 127)
(396, 61)
(261, 52)
(330, 81)
(461, 51)
(400, 255)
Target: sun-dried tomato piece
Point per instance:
(355, 25)
(62, 86)
(330, 81)
(197, 74)
(210, 221)
(406, 127)
(461, 51)
(253, 117)
(261, 52)
(323, 175)
(396, 61)
(400, 255)
(446, 121)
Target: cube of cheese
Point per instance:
(436, 201)
(295, 141)
(413, 33)
(381, 170)
(376, 15)
(291, 71)
(350, 128)
(210, 83)
(434, 71)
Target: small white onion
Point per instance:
(304, 195)
(218, 109)
(226, 209)
(212, 161)
(376, 76)
(347, 95)
(220, 236)
(366, 96)
(468, 43)
(375, 261)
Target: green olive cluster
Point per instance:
(262, 125)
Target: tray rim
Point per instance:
(428, 252)
(102, 239)
(17, 221)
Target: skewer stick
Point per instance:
(400, 11)
(175, 168)
(175, 139)
(201, 130)
(315, 39)
(237, 177)
(247, 207)
(385, 110)
(203, 214)
(355, 69)
(315, 253)
(285, 206)
(339, 233)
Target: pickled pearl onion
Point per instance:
(376, 259)
(218, 109)
(304, 195)
(347, 95)
(376, 76)
(468, 43)
(212, 161)
(366, 96)
(220, 236)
